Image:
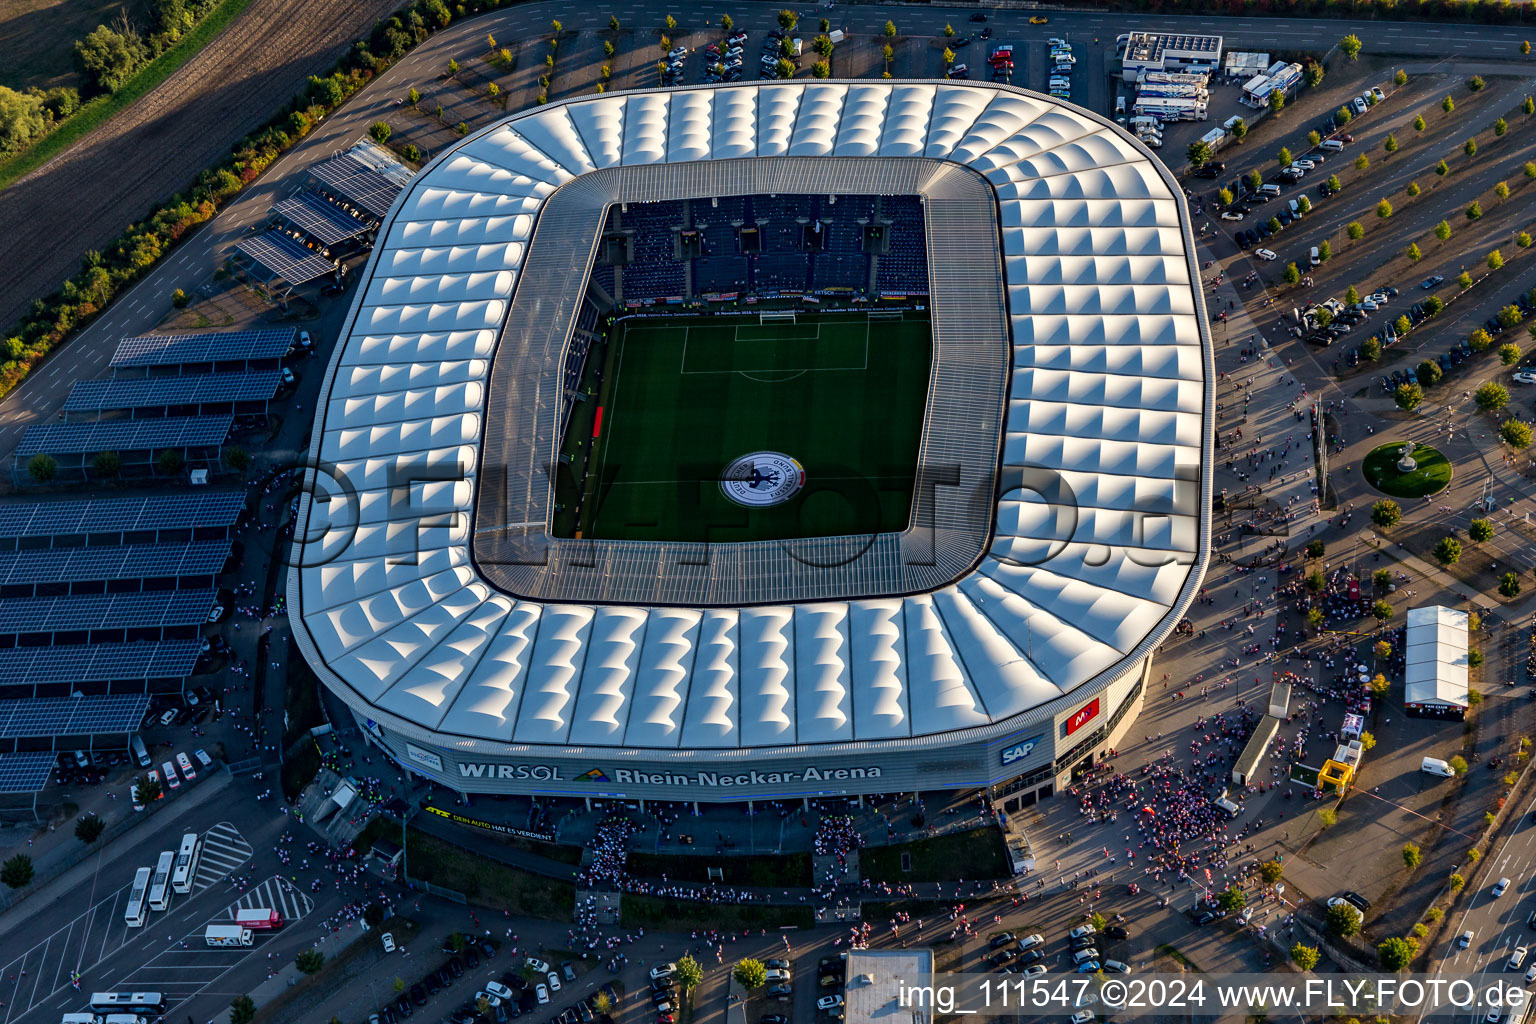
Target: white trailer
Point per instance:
(228, 935)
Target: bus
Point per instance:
(186, 863)
(160, 888)
(127, 1002)
(137, 912)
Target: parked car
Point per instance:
(1430, 282)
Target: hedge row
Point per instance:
(102, 275)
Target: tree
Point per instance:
(1447, 551)
(1428, 372)
(1479, 530)
(1313, 75)
(1343, 115)
(1350, 46)
(601, 1001)
(1386, 513)
(1256, 180)
(1492, 396)
(1414, 254)
(1395, 954)
(1324, 251)
(1305, 957)
(821, 69)
(1276, 101)
(42, 468)
(170, 462)
(309, 961)
(1292, 273)
(242, 1010)
(1283, 158)
(1464, 279)
(726, 22)
(1516, 434)
(1351, 296)
(374, 915)
(1479, 340)
(750, 973)
(1509, 585)
(890, 30)
(1525, 47)
(1303, 204)
(1501, 189)
(1476, 83)
(1316, 582)
(1443, 231)
(453, 68)
(949, 56)
(1200, 153)
(822, 45)
(1418, 123)
(1370, 349)
(788, 20)
(1362, 163)
(1383, 209)
(493, 90)
(1470, 148)
(786, 68)
(1448, 105)
(89, 828)
(1315, 549)
(1412, 856)
(110, 57)
(1239, 129)
(671, 24)
(1400, 78)
(689, 974)
(1500, 126)
(1270, 871)
(1342, 920)
(1379, 684)
(1273, 224)
(1433, 305)
(1442, 168)
(1495, 260)
(399, 984)
(1314, 137)
(1408, 397)
(949, 31)
(107, 464)
(1382, 610)
(380, 132)
(1367, 741)
(1232, 899)
(1413, 190)
(1314, 617)
(149, 789)
(1225, 197)
(1391, 144)
(1328, 817)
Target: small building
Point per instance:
(1141, 52)
(1252, 757)
(1435, 674)
(1280, 699)
(876, 981)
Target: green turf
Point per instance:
(1432, 475)
(682, 397)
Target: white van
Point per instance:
(1060, 83)
(1314, 257)
(1082, 956)
(140, 753)
(1331, 145)
(78, 1018)
(1270, 190)
(1227, 805)
(1435, 766)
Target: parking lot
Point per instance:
(99, 933)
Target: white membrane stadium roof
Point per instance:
(1109, 389)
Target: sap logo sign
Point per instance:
(1019, 751)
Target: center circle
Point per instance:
(762, 479)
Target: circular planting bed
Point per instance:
(1430, 475)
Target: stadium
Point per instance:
(758, 441)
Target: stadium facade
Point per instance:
(1002, 642)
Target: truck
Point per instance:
(259, 919)
(228, 935)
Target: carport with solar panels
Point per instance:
(33, 731)
(109, 596)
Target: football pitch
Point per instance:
(842, 394)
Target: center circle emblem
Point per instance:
(762, 479)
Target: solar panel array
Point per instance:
(121, 515)
(124, 435)
(154, 609)
(71, 716)
(167, 392)
(98, 663)
(324, 222)
(217, 347)
(284, 257)
(357, 183)
(113, 562)
(26, 771)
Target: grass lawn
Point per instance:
(790, 870)
(99, 111)
(977, 854)
(1432, 475)
(681, 397)
(487, 883)
(677, 915)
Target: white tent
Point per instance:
(1435, 679)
